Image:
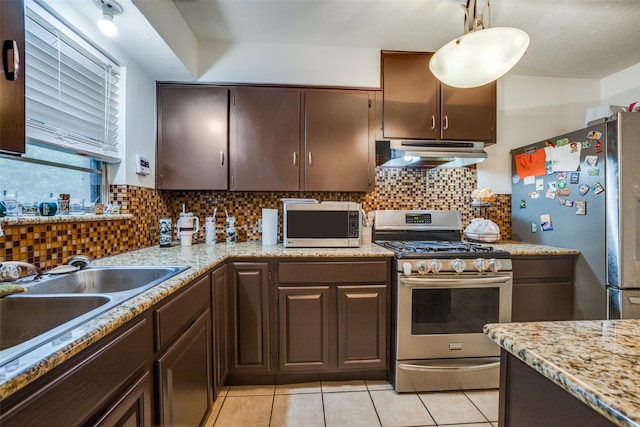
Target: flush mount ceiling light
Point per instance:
(109, 8)
(482, 54)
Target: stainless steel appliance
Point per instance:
(444, 292)
(600, 215)
(324, 224)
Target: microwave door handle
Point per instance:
(412, 282)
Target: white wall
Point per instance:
(621, 88)
(138, 126)
(531, 109)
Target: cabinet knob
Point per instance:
(446, 122)
(433, 121)
(295, 159)
(310, 158)
(222, 158)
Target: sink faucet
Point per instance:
(10, 270)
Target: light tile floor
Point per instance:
(352, 404)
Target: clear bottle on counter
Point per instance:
(210, 230)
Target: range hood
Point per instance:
(430, 154)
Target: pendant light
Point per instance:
(482, 54)
(109, 8)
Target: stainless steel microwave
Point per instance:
(322, 225)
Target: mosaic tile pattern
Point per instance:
(50, 244)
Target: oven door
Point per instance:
(442, 316)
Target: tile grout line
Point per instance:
(476, 406)
(374, 404)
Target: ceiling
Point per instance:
(569, 38)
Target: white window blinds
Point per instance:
(71, 94)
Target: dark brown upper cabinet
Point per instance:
(265, 134)
(192, 144)
(339, 132)
(12, 81)
(284, 139)
(417, 106)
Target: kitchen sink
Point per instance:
(22, 319)
(55, 304)
(103, 280)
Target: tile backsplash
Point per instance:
(51, 244)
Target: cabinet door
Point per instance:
(220, 329)
(304, 314)
(184, 376)
(362, 327)
(249, 318)
(265, 139)
(12, 88)
(410, 96)
(133, 408)
(338, 140)
(469, 114)
(192, 137)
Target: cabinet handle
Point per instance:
(295, 159)
(446, 122)
(433, 121)
(10, 59)
(310, 158)
(222, 158)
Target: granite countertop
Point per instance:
(21, 371)
(595, 361)
(523, 248)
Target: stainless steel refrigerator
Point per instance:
(593, 206)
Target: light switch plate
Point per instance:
(142, 165)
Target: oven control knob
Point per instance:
(422, 267)
(435, 266)
(406, 268)
(458, 265)
(494, 265)
(481, 264)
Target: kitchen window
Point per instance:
(71, 113)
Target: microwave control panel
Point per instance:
(354, 224)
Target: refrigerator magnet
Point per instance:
(562, 201)
(593, 171)
(586, 144)
(569, 203)
(550, 194)
(533, 194)
(515, 179)
(534, 227)
(545, 222)
(523, 204)
(591, 160)
(598, 146)
(563, 193)
(539, 184)
(583, 189)
(562, 142)
(597, 188)
(581, 207)
(529, 180)
(594, 134)
(574, 178)
(552, 185)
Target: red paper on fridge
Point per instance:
(530, 164)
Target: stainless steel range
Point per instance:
(444, 292)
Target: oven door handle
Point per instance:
(436, 368)
(412, 282)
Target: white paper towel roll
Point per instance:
(269, 226)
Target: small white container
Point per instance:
(365, 235)
(210, 230)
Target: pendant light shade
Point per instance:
(480, 56)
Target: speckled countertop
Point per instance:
(523, 248)
(595, 361)
(21, 371)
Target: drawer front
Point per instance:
(543, 267)
(176, 316)
(333, 272)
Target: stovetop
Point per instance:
(441, 249)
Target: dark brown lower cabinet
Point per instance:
(542, 288)
(528, 399)
(220, 328)
(362, 327)
(105, 384)
(331, 317)
(133, 408)
(249, 316)
(184, 376)
(305, 328)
